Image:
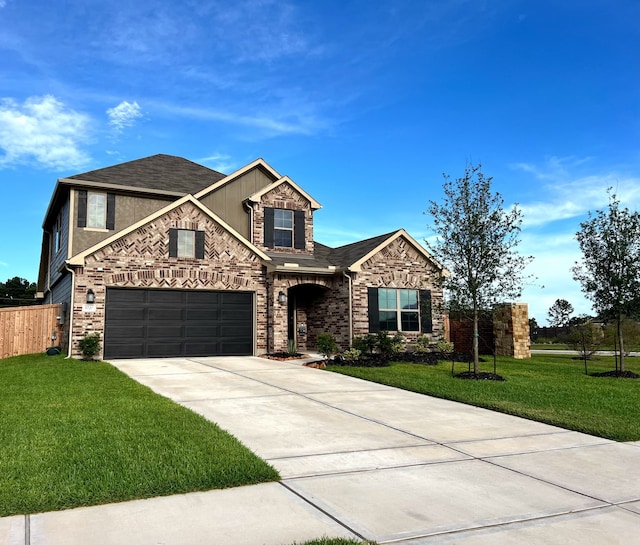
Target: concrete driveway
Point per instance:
(366, 461)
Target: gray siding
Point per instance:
(226, 202)
(57, 259)
(128, 210)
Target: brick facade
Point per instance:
(141, 260)
(398, 265)
(285, 197)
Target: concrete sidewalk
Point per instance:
(366, 461)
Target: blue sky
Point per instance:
(364, 104)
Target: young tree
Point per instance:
(476, 240)
(610, 268)
(559, 313)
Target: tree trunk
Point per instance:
(475, 341)
(621, 344)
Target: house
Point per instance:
(165, 257)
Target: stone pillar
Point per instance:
(511, 330)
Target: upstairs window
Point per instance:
(96, 210)
(186, 243)
(284, 228)
(57, 235)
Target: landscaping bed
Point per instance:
(78, 433)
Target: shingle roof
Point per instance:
(347, 255)
(164, 172)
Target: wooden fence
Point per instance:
(27, 330)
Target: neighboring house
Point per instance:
(165, 257)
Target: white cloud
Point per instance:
(124, 115)
(42, 129)
(220, 162)
(569, 195)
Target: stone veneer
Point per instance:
(141, 259)
(511, 330)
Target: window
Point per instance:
(398, 307)
(186, 243)
(96, 210)
(57, 235)
(283, 228)
(392, 309)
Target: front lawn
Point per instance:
(547, 388)
(76, 433)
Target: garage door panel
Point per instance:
(127, 331)
(165, 332)
(165, 297)
(165, 314)
(155, 323)
(203, 314)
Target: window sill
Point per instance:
(96, 229)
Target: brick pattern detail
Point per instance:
(141, 259)
(285, 197)
(511, 330)
(398, 265)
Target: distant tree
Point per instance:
(585, 336)
(610, 268)
(533, 324)
(17, 291)
(476, 241)
(559, 313)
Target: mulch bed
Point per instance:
(616, 374)
(470, 375)
(284, 356)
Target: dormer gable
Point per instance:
(283, 217)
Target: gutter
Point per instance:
(344, 273)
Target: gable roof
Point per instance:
(256, 197)
(78, 259)
(166, 173)
(350, 257)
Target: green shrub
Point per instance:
(353, 354)
(327, 345)
(291, 347)
(423, 344)
(388, 345)
(89, 345)
(366, 344)
(445, 347)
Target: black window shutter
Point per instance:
(111, 211)
(374, 310)
(82, 208)
(298, 230)
(269, 241)
(173, 243)
(425, 311)
(199, 244)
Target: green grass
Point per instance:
(336, 541)
(78, 433)
(550, 346)
(547, 388)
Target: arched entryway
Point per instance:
(306, 309)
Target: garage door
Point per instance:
(156, 323)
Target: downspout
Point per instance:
(344, 273)
(73, 290)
